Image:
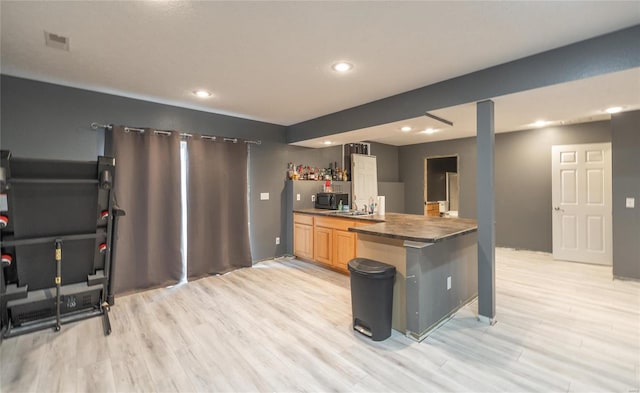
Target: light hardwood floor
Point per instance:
(286, 326)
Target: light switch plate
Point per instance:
(297, 197)
(264, 196)
(631, 203)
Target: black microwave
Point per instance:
(331, 200)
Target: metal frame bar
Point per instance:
(51, 181)
(37, 240)
(12, 331)
(58, 281)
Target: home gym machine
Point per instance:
(57, 224)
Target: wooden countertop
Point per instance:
(411, 227)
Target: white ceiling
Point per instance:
(270, 61)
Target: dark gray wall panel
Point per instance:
(625, 144)
(485, 172)
(386, 161)
(608, 53)
(393, 193)
(522, 178)
(268, 173)
(430, 266)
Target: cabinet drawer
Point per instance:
(360, 223)
(334, 223)
(303, 219)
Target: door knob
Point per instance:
(557, 208)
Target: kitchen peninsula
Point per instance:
(435, 258)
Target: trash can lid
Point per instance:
(371, 268)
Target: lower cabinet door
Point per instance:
(322, 245)
(344, 248)
(303, 241)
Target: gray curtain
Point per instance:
(218, 213)
(147, 187)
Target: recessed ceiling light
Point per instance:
(405, 129)
(429, 131)
(202, 93)
(327, 142)
(342, 66)
(540, 123)
(614, 109)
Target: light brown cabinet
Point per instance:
(433, 209)
(323, 245)
(332, 244)
(303, 236)
(344, 248)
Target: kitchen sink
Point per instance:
(353, 213)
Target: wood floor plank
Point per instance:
(132, 375)
(285, 326)
(96, 377)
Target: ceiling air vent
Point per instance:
(56, 41)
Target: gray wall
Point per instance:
(41, 120)
(386, 162)
(522, 178)
(412, 173)
(269, 218)
(625, 144)
(393, 193)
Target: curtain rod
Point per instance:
(95, 126)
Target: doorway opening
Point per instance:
(441, 186)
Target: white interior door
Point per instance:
(364, 180)
(581, 197)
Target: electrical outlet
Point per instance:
(264, 196)
(448, 283)
(277, 240)
(630, 203)
(313, 198)
(297, 197)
